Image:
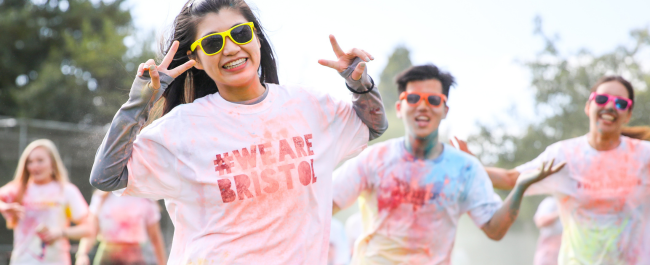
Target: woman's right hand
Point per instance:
(150, 66)
(82, 259)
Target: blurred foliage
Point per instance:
(398, 61)
(66, 60)
(562, 86)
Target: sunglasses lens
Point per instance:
(242, 34)
(621, 104)
(413, 98)
(212, 44)
(601, 99)
(434, 100)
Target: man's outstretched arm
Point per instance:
(503, 218)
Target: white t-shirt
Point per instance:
(550, 236)
(338, 244)
(124, 219)
(604, 200)
(47, 205)
(248, 184)
(410, 207)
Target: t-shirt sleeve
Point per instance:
(480, 202)
(152, 167)
(153, 212)
(552, 183)
(77, 206)
(349, 180)
(351, 133)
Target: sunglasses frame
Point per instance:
(424, 96)
(609, 99)
(224, 35)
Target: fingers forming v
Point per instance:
(169, 56)
(181, 68)
(335, 46)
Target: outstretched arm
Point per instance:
(367, 105)
(503, 179)
(109, 171)
(501, 221)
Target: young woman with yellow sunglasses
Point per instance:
(245, 167)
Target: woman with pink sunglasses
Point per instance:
(603, 192)
(244, 164)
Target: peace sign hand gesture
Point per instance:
(154, 70)
(345, 59)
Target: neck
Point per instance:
(248, 91)
(423, 147)
(604, 141)
(42, 181)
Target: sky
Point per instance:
(483, 44)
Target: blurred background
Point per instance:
(524, 69)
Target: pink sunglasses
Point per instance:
(603, 99)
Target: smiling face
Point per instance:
(422, 120)
(39, 166)
(607, 119)
(236, 65)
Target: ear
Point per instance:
(192, 56)
(398, 107)
(587, 108)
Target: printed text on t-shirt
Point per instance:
(247, 161)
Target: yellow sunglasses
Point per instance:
(214, 43)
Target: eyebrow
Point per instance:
(234, 25)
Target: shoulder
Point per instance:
(632, 143)
(452, 154)
(68, 187)
(386, 149)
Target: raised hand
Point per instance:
(541, 173)
(345, 59)
(462, 145)
(150, 66)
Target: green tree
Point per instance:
(65, 60)
(398, 61)
(562, 86)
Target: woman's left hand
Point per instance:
(345, 59)
(49, 236)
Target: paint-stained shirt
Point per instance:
(603, 198)
(50, 205)
(124, 219)
(248, 184)
(410, 207)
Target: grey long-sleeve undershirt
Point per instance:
(109, 170)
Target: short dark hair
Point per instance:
(424, 72)
(621, 80)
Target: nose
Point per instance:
(230, 48)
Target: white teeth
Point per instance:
(607, 117)
(422, 118)
(235, 63)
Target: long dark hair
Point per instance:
(196, 83)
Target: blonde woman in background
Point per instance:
(122, 224)
(39, 204)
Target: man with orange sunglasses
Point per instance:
(412, 190)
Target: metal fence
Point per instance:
(77, 144)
